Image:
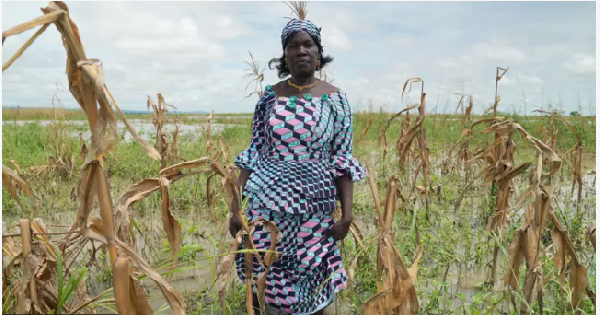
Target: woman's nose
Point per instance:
(302, 51)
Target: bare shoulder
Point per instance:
(278, 87)
(329, 88)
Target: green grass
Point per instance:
(449, 238)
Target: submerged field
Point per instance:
(453, 273)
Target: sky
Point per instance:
(194, 52)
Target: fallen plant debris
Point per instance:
(11, 182)
(87, 87)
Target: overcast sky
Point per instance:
(193, 52)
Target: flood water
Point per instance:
(143, 127)
(465, 278)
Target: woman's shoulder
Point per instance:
(278, 87)
(338, 101)
(329, 88)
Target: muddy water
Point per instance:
(143, 127)
(192, 278)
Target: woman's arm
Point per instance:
(345, 189)
(346, 168)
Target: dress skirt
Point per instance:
(307, 276)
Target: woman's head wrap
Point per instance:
(295, 25)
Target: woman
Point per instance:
(298, 163)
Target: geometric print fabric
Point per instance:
(294, 281)
(298, 148)
(296, 152)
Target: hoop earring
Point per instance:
(318, 64)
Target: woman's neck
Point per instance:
(303, 81)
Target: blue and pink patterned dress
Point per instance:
(298, 147)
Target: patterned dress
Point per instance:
(298, 147)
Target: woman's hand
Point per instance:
(339, 230)
(346, 190)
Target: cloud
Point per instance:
(581, 64)
(338, 38)
(193, 52)
(495, 51)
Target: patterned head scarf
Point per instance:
(295, 25)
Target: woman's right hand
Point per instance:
(235, 223)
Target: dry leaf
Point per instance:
(529, 242)
(560, 258)
(578, 283)
(133, 194)
(145, 145)
(226, 270)
(121, 286)
(170, 224)
(374, 304)
(270, 257)
(173, 297)
(515, 260)
(106, 212)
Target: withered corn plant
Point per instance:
(245, 236)
(499, 77)
(503, 170)
(573, 155)
(382, 139)
(219, 152)
(36, 260)
(527, 242)
(159, 119)
(256, 74)
(464, 154)
(86, 84)
(408, 150)
(396, 294)
(500, 168)
(368, 123)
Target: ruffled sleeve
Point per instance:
(248, 157)
(343, 163)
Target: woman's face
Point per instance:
(302, 54)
